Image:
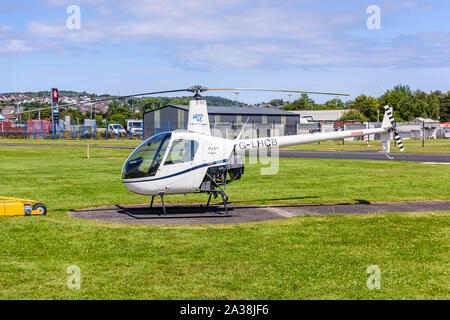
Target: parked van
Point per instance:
(115, 128)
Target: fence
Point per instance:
(43, 129)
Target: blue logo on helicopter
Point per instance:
(198, 117)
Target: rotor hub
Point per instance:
(196, 90)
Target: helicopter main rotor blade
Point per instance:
(195, 89)
(103, 100)
(280, 90)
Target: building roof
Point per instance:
(240, 110)
(321, 115)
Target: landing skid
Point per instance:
(224, 199)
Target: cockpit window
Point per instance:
(144, 161)
(181, 151)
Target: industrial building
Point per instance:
(262, 122)
(319, 115)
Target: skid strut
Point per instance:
(162, 203)
(222, 193)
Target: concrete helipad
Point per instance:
(196, 214)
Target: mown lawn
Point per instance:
(297, 258)
(411, 145)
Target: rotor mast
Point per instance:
(196, 90)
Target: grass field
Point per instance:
(296, 258)
(411, 145)
(110, 142)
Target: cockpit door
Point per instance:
(179, 166)
(146, 159)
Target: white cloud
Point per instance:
(5, 28)
(241, 33)
(5, 31)
(92, 31)
(247, 23)
(15, 46)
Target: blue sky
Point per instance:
(142, 45)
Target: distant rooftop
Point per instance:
(321, 115)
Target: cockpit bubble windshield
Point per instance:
(145, 160)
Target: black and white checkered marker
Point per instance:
(397, 138)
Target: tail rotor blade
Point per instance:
(397, 138)
(398, 141)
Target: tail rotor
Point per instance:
(397, 138)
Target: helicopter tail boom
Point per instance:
(283, 141)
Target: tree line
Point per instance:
(407, 103)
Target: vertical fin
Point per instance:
(198, 117)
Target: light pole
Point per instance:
(423, 133)
(237, 101)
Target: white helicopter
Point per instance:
(193, 161)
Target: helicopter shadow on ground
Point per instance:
(175, 211)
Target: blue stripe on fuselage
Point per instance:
(181, 172)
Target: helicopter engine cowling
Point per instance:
(222, 175)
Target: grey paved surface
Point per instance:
(356, 155)
(367, 155)
(243, 214)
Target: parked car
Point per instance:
(115, 128)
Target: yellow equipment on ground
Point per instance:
(21, 207)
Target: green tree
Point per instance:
(46, 114)
(367, 106)
(409, 105)
(118, 118)
(426, 105)
(353, 115)
(399, 98)
(277, 102)
(335, 104)
(148, 104)
(75, 115)
(302, 103)
(99, 121)
(112, 107)
(179, 101)
(444, 102)
(116, 109)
